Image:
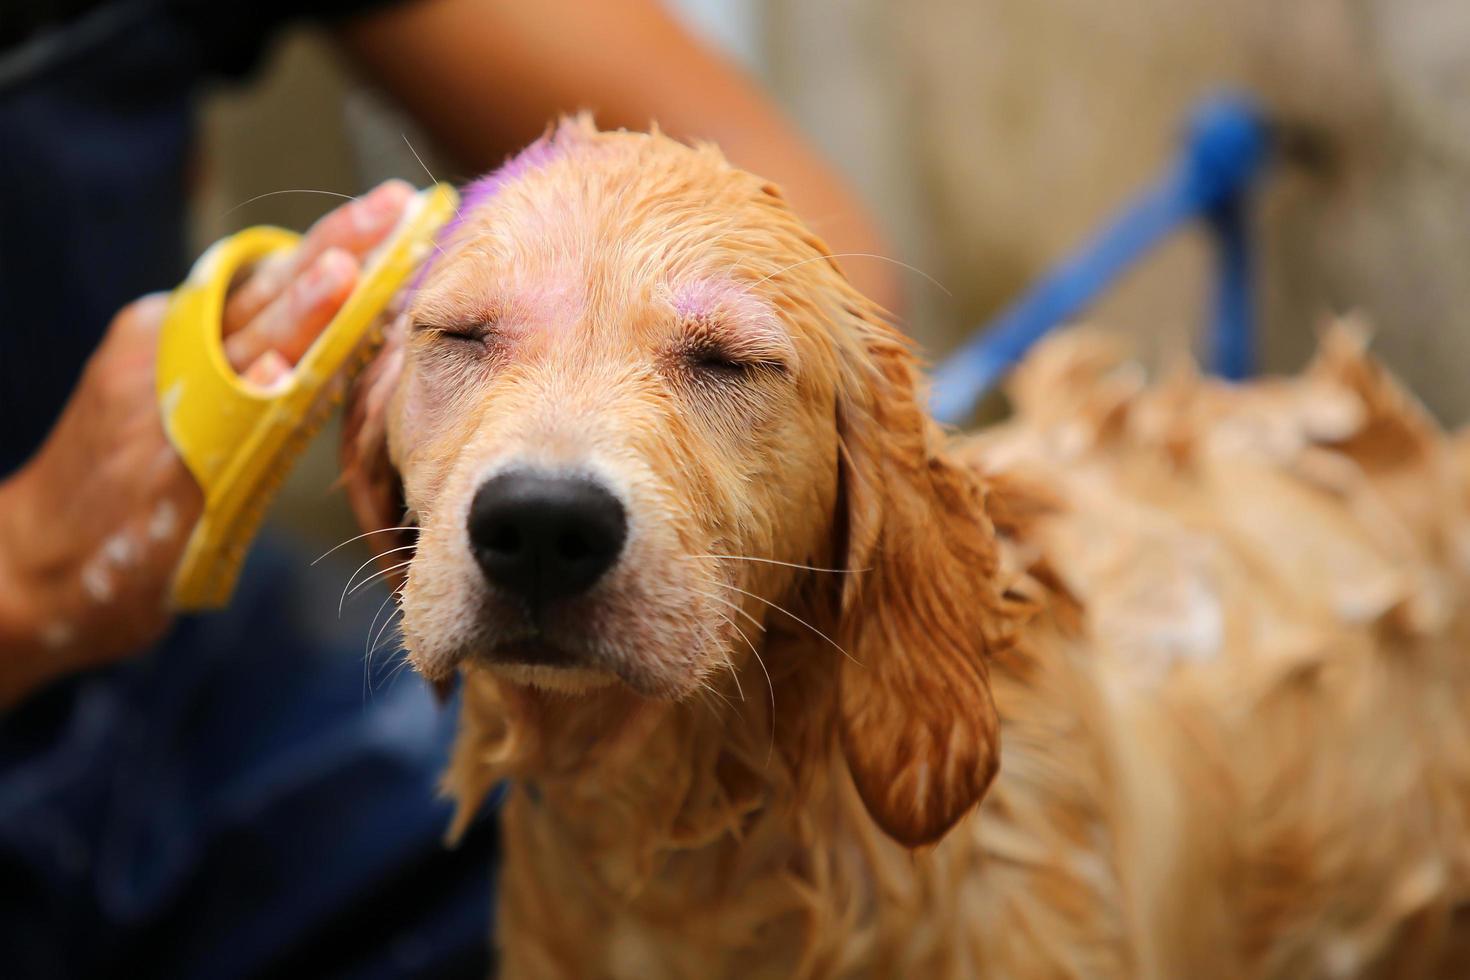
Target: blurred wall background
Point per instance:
(990, 136)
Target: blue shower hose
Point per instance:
(1225, 150)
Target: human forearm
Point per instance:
(486, 77)
(25, 661)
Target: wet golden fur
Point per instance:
(1220, 633)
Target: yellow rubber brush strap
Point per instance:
(240, 439)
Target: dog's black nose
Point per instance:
(542, 536)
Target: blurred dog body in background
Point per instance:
(748, 632)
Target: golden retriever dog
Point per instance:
(1153, 681)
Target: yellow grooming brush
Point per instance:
(240, 439)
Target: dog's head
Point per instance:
(635, 408)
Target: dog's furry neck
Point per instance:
(698, 826)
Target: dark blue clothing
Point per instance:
(92, 162)
(95, 139)
(235, 804)
(231, 804)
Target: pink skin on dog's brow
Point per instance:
(707, 297)
(729, 301)
(702, 297)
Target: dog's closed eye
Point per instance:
(727, 334)
(720, 356)
(723, 346)
(458, 336)
(475, 331)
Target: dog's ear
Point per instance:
(921, 608)
(374, 490)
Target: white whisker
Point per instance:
(373, 645)
(787, 564)
(793, 615)
(359, 537)
(432, 178)
(707, 687)
(771, 748)
(293, 190)
(733, 605)
(391, 623)
(368, 644)
(735, 676)
(345, 593)
(714, 641)
(397, 669)
(383, 573)
(855, 255)
(367, 647)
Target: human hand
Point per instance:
(93, 525)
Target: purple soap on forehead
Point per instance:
(533, 157)
(479, 192)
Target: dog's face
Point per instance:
(599, 399)
(634, 407)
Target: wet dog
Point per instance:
(746, 630)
